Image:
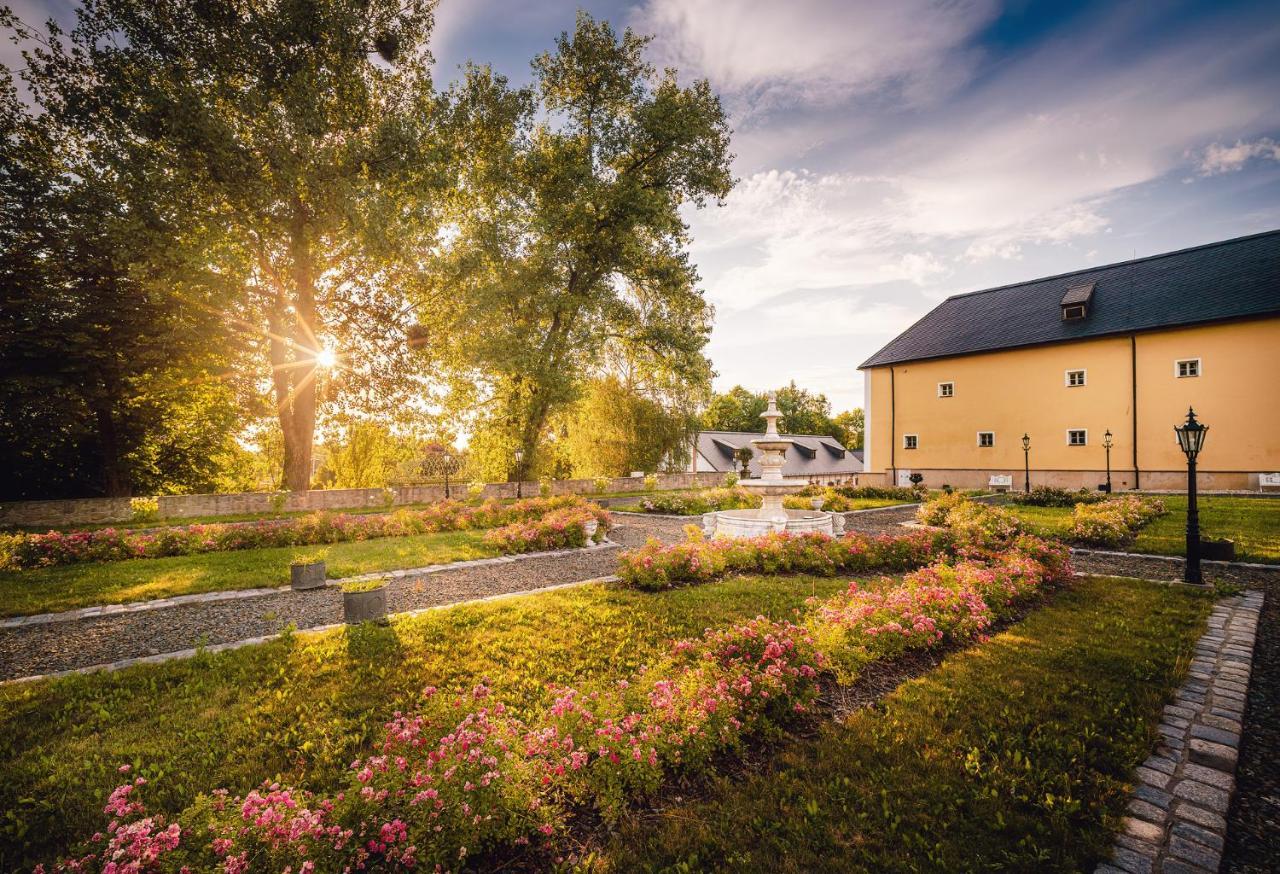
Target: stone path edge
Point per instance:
(1213, 561)
(1176, 822)
(265, 638)
(99, 611)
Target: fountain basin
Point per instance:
(753, 523)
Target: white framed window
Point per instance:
(1076, 378)
(986, 439)
(1077, 437)
(1186, 367)
(946, 389)
(910, 441)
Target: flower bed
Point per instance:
(1111, 523)
(1049, 496)
(656, 566)
(701, 502)
(447, 786)
(20, 551)
(558, 529)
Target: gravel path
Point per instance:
(42, 649)
(1150, 567)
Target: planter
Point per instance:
(366, 605)
(306, 575)
(1218, 550)
(590, 529)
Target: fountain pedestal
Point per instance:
(772, 487)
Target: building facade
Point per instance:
(1124, 349)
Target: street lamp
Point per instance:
(519, 472)
(447, 458)
(1106, 444)
(1191, 440)
(1026, 462)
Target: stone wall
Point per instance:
(99, 510)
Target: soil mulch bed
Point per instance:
(1253, 825)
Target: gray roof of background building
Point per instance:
(1232, 279)
(812, 454)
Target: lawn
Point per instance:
(303, 707)
(1254, 523)
(64, 587)
(1092, 669)
(1012, 755)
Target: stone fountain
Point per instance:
(771, 486)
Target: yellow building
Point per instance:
(1125, 348)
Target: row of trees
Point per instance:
(803, 412)
(219, 214)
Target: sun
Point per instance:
(326, 358)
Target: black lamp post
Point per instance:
(1191, 440)
(1026, 462)
(1106, 444)
(447, 460)
(519, 472)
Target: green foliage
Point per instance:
(269, 165)
(144, 509)
(364, 586)
(368, 456)
(1049, 496)
(615, 428)
(803, 412)
(853, 427)
(570, 242)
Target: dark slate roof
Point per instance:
(811, 455)
(1233, 279)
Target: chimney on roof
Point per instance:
(1075, 303)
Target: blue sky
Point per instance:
(892, 153)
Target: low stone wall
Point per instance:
(99, 510)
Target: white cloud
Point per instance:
(817, 51)
(1227, 159)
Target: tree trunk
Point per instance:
(114, 482)
(294, 365)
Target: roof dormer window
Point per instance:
(1075, 303)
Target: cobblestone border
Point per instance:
(1176, 819)
(253, 641)
(238, 594)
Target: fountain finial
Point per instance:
(771, 416)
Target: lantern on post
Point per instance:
(1191, 440)
(1026, 462)
(1107, 444)
(519, 455)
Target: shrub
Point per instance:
(109, 544)
(544, 487)
(144, 509)
(277, 502)
(877, 493)
(650, 482)
(731, 479)
(475, 490)
(935, 512)
(558, 529)
(1112, 522)
(656, 566)
(388, 497)
(700, 502)
(1049, 496)
(601, 484)
(980, 526)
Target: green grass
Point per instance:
(1011, 756)
(1253, 523)
(304, 707)
(46, 590)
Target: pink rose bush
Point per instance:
(462, 781)
(558, 529)
(19, 551)
(656, 566)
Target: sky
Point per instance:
(889, 154)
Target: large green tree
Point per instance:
(300, 130)
(567, 236)
(113, 377)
